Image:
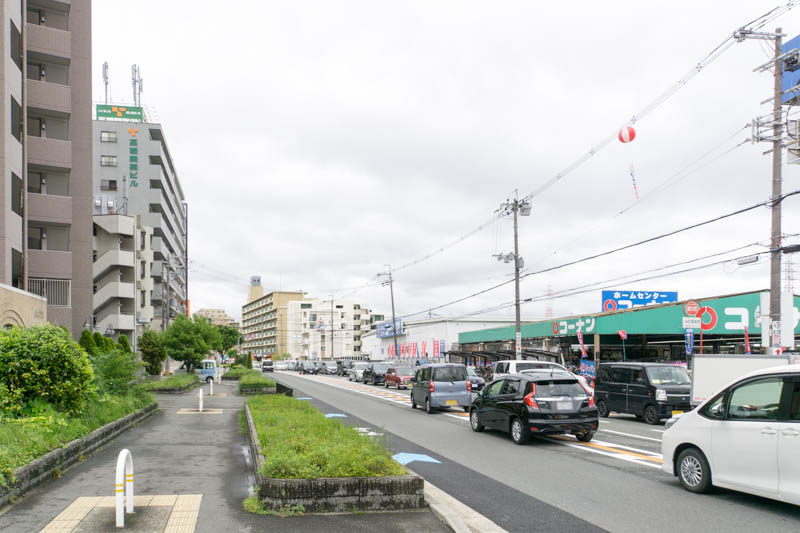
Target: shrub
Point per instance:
(236, 373)
(176, 381)
(152, 351)
(114, 371)
(254, 380)
(123, 343)
(87, 342)
(43, 362)
(99, 341)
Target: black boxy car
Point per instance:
(343, 367)
(308, 367)
(374, 374)
(544, 403)
(652, 391)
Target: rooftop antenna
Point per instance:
(105, 78)
(136, 81)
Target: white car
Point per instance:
(357, 371)
(281, 365)
(744, 438)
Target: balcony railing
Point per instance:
(56, 291)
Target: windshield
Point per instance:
(450, 373)
(380, 367)
(562, 387)
(668, 375)
(471, 371)
(404, 371)
(538, 365)
(361, 366)
(330, 365)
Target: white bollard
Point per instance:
(124, 486)
(211, 388)
(200, 396)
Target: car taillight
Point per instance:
(591, 401)
(469, 386)
(430, 387)
(530, 402)
(587, 388)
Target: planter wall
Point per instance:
(43, 468)
(249, 391)
(333, 495)
(177, 390)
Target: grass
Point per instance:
(298, 442)
(254, 380)
(176, 381)
(236, 373)
(23, 440)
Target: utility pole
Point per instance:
(777, 150)
(394, 320)
(517, 208)
(331, 355)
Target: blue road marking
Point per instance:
(405, 458)
(335, 415)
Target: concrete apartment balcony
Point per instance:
(49, 42)
(116, 224)
(49, 264)
(121, 323)
(51, 97)
(49, 208)
(112, 259)
(52, 154)
(113, 291)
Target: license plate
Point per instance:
(563, 406)
(677, 413)
(452, 402)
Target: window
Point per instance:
(620, 375)
(35, 237)
(450, 373)
(494, 389)
(16, 268)
(794, 405)
(108, 136)
(108, 185)
(16, 120)
(108, 160)
(142, 269)
(756, 400)
(637, 377)
(142, 295)
(142, 242)
(502, 368)
(16, 46)
(511, 387)
(35, 180)
(668, 375)
(16, 194)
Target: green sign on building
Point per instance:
(120, 112)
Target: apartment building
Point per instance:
(134, 174)
(328, 329)
(218, 317)
(122, 276)
(46, 154)
(264, 320)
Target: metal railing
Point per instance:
(56, 291)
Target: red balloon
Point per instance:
(626, 134)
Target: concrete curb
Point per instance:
(42, 469)
(458, 517)
(178, 390)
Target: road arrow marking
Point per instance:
(405, 458)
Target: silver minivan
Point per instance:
(441, 385)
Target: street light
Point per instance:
(110, 331)
(88, 323)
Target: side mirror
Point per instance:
(718, 411)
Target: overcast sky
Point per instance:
(318, 141)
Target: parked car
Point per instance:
(267, 365)
(398, 377)
(375, 372)
(329, 368)
(535, 403)
(476, 381)
(504, 368)
(357, 371)
(343, 367)
(744, 438)
(441, 385)
(281, 365)
(308, 367)
(207, 370)
(652, 391)
(293, 365)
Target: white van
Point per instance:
(207, 370)
(503, 368)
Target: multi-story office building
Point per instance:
(264, 320)
(45, 155)
(134, 174)
(122, 279)
(328, 329)
(218, 317)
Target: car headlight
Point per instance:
(671, 422)
(661, 395)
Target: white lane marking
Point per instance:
(630, 435)
(630, 448)
(605, 422)
(658, 430)
(607, 454)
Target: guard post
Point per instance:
(124, 486)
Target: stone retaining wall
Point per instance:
(43, 468)
(333, 495)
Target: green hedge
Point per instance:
(23, 440)
(236, 373)
(176, 381)
(254, 380)
(298, 442)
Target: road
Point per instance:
(552, 484)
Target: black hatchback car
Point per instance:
(538, 403)
(375, 373)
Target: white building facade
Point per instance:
(424, 340)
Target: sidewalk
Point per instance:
(176, 457)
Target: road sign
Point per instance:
(691, 308)
(692, 322)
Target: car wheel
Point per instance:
(466, 409)
(475, 421)
(586, 436)
(693, 471)
(209, 379)
(428, 408)
(518, 433)
(413, 403)
(651, 415)
(385, 384)
(602, 409)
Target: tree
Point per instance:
(123, 343)
(87, 342)
(230, 337)
(190, 340)
(99, 341)
(152, 351)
